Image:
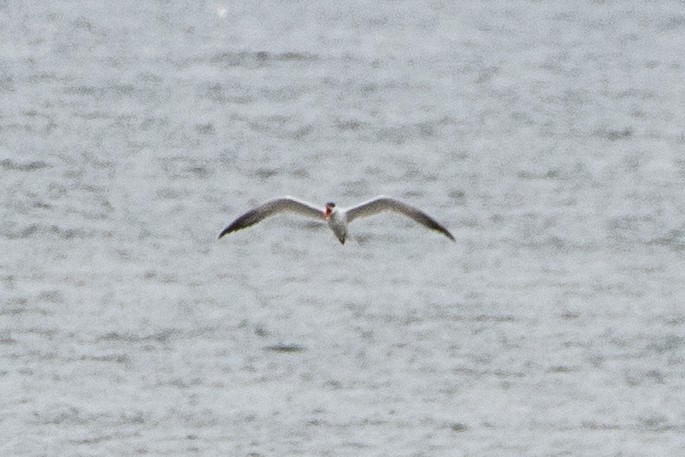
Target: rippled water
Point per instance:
(548, 136)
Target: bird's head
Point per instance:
(330, 206)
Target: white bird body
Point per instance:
(337, 221)
(338, 218)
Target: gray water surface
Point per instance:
(547, 136)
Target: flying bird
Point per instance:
(337, 218)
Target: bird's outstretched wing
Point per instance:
(382, 204)
(271, 208)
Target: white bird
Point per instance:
(337, 218)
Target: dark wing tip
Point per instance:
(229, 229)
(224, 232)
(429, 222)
(246, 220)
(439, 228)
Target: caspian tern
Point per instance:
(337, 218)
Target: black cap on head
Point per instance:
(330, 205)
